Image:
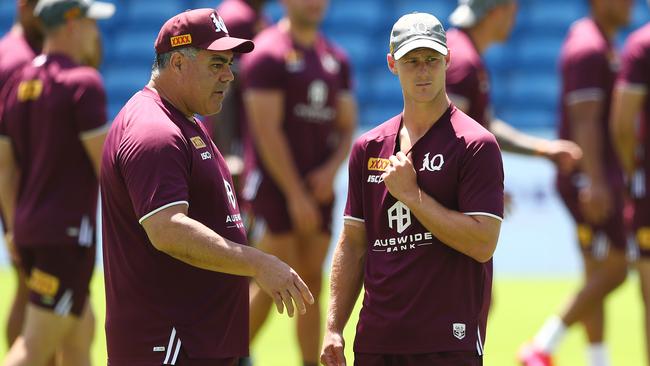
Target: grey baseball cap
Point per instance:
(55, 12)
(469, 12)
(417, 30)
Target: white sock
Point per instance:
(598, 355)
(550, 335)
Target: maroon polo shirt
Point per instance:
(310, 80)
(154, 157)
(48, 104)
(588, 64)
(467, 76)
(15, 52)
(422, 296)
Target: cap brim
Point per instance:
(100, 10)
(463, 17)
(420, 43)
(238, 45)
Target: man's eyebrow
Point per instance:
(225, 60)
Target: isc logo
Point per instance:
(378, 164)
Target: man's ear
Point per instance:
(448, 59)
(176, 61)
(390, 61)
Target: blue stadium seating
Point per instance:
(523, 71)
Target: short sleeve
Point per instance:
(262, 70)
(354, 205)
(345, 73)
(89, 102)
(586, 76)
(635, 63)
(156, 169)
(481, 179)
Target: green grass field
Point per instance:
(520, 307)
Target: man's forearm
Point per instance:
(461, 232)
(9, 179)
(587, 134)
(346, 280)
(195, 244)
(514, 141)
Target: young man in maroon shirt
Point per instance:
(53, 124)
(175, 249)
(424, 211)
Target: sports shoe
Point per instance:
(529, 355)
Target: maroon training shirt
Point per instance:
(15, 52)
(422, 296)
(154, 157)
(588, 64)
(311, 80)
(467, 76)
(47, 105)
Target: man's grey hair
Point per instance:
(162, 60)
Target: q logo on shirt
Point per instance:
(432, 164)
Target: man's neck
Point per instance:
(162, 87)
(303, 35)
(606, 26)
(419, 117)
(481, 36)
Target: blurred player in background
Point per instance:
(175, 247)
(245, 20)
(630, 124)
(593, 192)
(19, 46)
(480, 24)
(53, 123)
(302, 115)
(424, 212)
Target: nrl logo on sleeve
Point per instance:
(198, 143)
(182, 40)
(459, 330)
(378, 164)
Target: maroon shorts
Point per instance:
(595, 239)
(184, 360)
(58, 277)
(270, 207)
(425, 359)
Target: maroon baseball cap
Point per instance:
(200, 28)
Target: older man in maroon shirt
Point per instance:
(175, 248)
(424, 211)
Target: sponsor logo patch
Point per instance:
(585, 235)
(181, 40)
(43, 283)
(399, 217)
(29, 90)
(197, 141)
(643, 237)
(378, 164)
